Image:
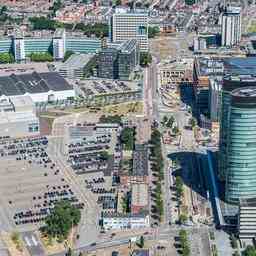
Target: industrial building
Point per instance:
(240, 72)
(126, 24)
(22, 47)
(41, 87)
(76, 66)
(108, 91)
(18, 117)
(241, 145)
(231, 26)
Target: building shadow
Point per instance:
(191, 167)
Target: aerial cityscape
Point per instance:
(127, 128)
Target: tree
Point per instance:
(153, 31)
(67, 55)
(250, 251)
(128, 137)
(145, 59)
(6, 58)
(175, 130)
(118, 2)
(61, 220)
(183, 218)
(40, 23)
(193, 122)
(111, 119)
(104, 155)
(141, 243)
(69, 252)
(170, 122)
(164, 120)
(41, 57)
(179, 186)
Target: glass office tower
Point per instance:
(241, 145)
(240, 72)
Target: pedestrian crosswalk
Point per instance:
(31, 240)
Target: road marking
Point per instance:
(34, 240)
(27, 241)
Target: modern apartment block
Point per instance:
(231, 26)
(128, 24)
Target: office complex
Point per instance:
(231, 26)
(240, 73)
(118, 62)
(241, 145)
(76, 66)
(108, 63)
(128, 24)
(22, 47)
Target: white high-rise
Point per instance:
(231, 26)
(58, 43)
(126, 24)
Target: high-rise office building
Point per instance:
(108, 63)
(128, 58)
(241, 145)
(126, 24)
(231, 26)
(240, 72)
(18, 45)
(118, 62)
(59, 44)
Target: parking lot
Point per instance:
(31, 183)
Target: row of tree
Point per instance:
(184, 243)
(128, 138)
(97, 29)
(6, 58)
(41, 57)
(157, 169)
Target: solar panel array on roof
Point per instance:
(32, 83)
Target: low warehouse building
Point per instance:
(41, 87)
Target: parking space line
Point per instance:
(27, 241)
(34, 240)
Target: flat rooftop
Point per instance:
(106, 86)
(240, 66)
(140, 161)
(139, 194)
(208, 66)
(32, 83)
(178, 64)
(15, 117)
(8, 69)
(75, 61)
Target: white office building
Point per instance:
(231, 26)
(119, 221)
(126, 24)
(19, 47)
(59, 44)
